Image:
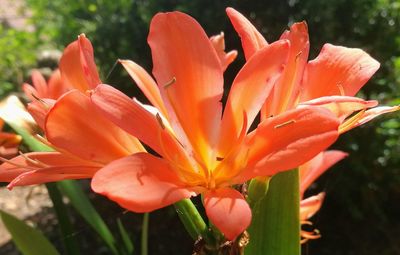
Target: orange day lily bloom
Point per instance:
(202, 150)
(71, 125)
(331, 80)
(309, 172)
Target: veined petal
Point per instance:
(67, 126)
(252, 40)
(314, 168)
(337, 71)
(87, 61)
(311, 205)
(129, 115)
(39, 83)
(190, 79)
(77, 65)
(218, 41)
(140, 183)
(249, 90)
(228, 211)
(39, 109)
(146, 84)
(53, 174)
(341, 106)
(56, 86)
(289, 140)
(287, 89)
(41, 167)
(366, 116)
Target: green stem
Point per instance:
(145, 234)
(192, 220)
(275, 228)
(69, 240)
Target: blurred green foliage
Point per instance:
(360, 215)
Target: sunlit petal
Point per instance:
(228, 210)
(140, 183)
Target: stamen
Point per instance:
(285, 124)
(219, 158)
(170, 83)
(112, 69)
(4, 160)
(40, 100)
(341, 89)
(160, 121)
(298, 55)
(33, 161)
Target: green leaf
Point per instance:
(125, 237)
(275, 228)
(82, 204)
(33, 143)
(28, 240)
(70, 241)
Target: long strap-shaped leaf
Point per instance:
(275, 228)
(28, 240)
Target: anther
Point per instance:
(170, 83)
(160, 121)
(341, 89)
(285, 124)
(39, 99)
(298, 55)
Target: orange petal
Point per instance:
(38, 109)
(44, 167)
(146, 84)
(311, 205)
(129, 115)
(56, 86)
(53, 174)
(77, 65)
(87, 61)
(374, 112)
(140, 183)
(190, 79)
(252, 40)
(218, 41)
(73, 124)
(341, 106)
(250, 88)
(40, 84)
(287, 88)
(289, 140)
(337, 71)
(228, 211)
(29, 91)
(314, 168)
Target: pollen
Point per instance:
(172, 81)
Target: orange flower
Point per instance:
(331, 80)
(201, 149)
(77, 70)
(85, 140)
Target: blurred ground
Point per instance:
(29, 203)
